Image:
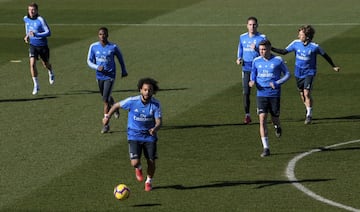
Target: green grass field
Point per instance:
(53, 157)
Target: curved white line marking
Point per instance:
(290, 173)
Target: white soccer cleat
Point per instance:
(35, 90)
(51, 79)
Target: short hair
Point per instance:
(33, 4)
(308, 30)
(252, 18)
(149, 81)
(104, 29)
(266, 43)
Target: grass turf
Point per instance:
(53, 157)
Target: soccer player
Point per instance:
(37, 31)
(268, 73)
(144, 120)
(101, 58)
(305, 64)
(247, 51)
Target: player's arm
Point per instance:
(107, 117)
(158, 123)
(285, 77)
(330, 61)
(26, 38)
(279, 51)
(91, 60)
(253, 76)
(239, 59)
(46, 32)
(121, 62)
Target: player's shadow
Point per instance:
(27, 99)
(334, 119)
(80, 92)
(77, 92)
(351, 117)
(259, 184)
(146, 205)
(323, 149)
(175, 127)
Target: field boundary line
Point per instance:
(183, 25)
(290, 173)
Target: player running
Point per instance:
(268, 73)
(305, 64)
(101, 58)
(37, 31)
(144, 120)
(247, 51)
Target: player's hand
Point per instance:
(105, 120)
(251, 83)
(253, 46)
(26, 39)
(101, 68)
(272, 85)
(336, 68)
(152, 131)
(239, 61)
(124, 75)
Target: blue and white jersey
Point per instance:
(266, 71)
(245, 50)
(305, 57)
(99, 55)
(141, 117)
(40, 28)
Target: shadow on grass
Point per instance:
(260, 184)
(323, 149)
(27, 99)
(352, 117)
(327, 119)
(146, 205)
(170, 127)
(76, 92)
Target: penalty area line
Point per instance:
(290, 173)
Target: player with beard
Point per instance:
(144, 120)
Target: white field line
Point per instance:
(183, 25)
(290, 173)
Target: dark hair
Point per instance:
(252, 18)
(149, 81)
(104, 29)
(308, 30)
(265, 43)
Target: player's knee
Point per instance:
(134, 162)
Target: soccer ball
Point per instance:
(121, 192)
